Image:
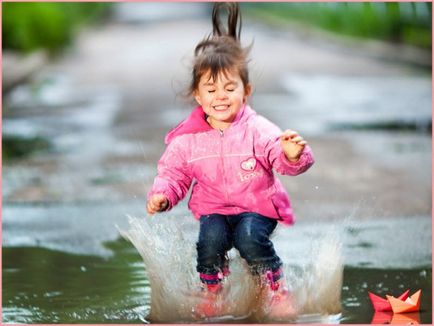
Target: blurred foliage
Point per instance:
(406, 22)
(16, 147)
(48, 25)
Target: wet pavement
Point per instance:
(105, 108)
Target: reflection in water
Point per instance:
(387, 317)
(411, 318)
(167, 247)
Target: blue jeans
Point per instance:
(248, 232)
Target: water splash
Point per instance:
(167, 247)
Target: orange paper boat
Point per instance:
(409, 305)
(381, 304)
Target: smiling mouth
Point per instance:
(221, 107)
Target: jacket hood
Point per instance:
(196, 122)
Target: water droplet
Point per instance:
(316, 187)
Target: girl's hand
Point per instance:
(292, 144)
(157, 203)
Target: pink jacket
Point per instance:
(231, 172)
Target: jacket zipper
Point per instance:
(223, 167)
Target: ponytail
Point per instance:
(219, 32)
(234, 17)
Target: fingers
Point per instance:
(288, 134)
(157, 203)
(293, 136)
(152, 209)
(149, 209)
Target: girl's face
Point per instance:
(221, 99)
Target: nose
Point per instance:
(221, 94)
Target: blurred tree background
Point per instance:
(30, 26)
(50, 25)
(398, 22)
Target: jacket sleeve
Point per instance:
(268, 142)
(173, 177)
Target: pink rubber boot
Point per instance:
(279, 302)
(211, 303)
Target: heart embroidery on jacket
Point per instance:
(249, 164)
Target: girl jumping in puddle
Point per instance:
(228, 153)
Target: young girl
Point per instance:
(228, 152)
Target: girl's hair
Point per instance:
(221, 51)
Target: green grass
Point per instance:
(15, 147)
(408, 23)
(52, 26)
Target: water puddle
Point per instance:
(61, 266)
(48, 286)
(314, 104)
